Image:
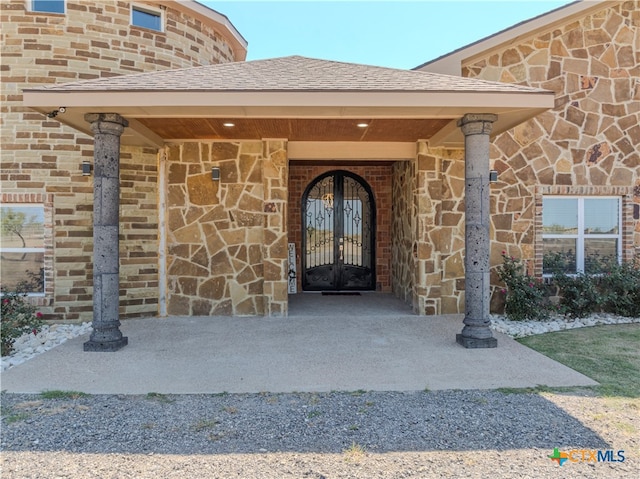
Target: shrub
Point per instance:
(620, 285)
(606, 286)
(579, 293)
(527, 297)
(18, 317)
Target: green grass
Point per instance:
(358, 393)
(205, 424)
(16, 417)
(541, 388)
(162, 398)
(608, 354)
(354, 453)
(58, 394)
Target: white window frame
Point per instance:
(29, 250)
(581, 235)
(30, 6)
(150, 10)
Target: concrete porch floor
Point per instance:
(370, 342)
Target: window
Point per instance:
(48, 6)
(22, 247)
(581, 232)
(146, 17)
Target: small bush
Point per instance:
(579, 294)
(606, 286)
(18, 317)
(621, 287)
(527, 297)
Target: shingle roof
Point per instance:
(289, 74)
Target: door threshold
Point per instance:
(341, 293)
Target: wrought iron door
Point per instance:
(338, 234)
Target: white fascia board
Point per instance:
(289, 104)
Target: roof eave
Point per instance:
(159, 102)
(512, 108)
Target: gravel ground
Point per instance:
(333, 435)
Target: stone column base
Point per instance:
(475, 343)
(106, 346)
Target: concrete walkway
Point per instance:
(370, 342)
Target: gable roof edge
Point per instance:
(451, 63)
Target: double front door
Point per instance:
(338, 234)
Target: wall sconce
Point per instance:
(215, 173)
(86, 168)
(493, 176)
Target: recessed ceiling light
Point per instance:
(363, 125)
(229, 124)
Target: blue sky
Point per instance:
(398, 34)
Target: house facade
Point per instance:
(568, 179)
(45, 43)
(217, 189)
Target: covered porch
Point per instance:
(380, 351)
(226, 136)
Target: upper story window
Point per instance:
(47, 6)
(147, 17)
(22, 247)
(583, 233)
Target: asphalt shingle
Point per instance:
(293, 73)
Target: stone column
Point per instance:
(476, 332)
(106, 335)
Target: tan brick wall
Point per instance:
(379, 179)
(40, 156)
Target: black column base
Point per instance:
(475, 343)
(106, 346)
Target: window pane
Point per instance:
(22, 226)
(22, 269)
(559, 253)
(598, 252)
(142, 18)
(319, 224)
(601, 215)
(51, 6)
(560, 216)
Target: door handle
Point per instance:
(341, 248)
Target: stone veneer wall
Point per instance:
(589, 144)
(428, 231)
(403, 233)
(41, 158)
(227, 239)
(379, 179)
(592, 136)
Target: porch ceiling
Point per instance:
(294, 98)
(405, 130)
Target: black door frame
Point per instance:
(338, 218)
